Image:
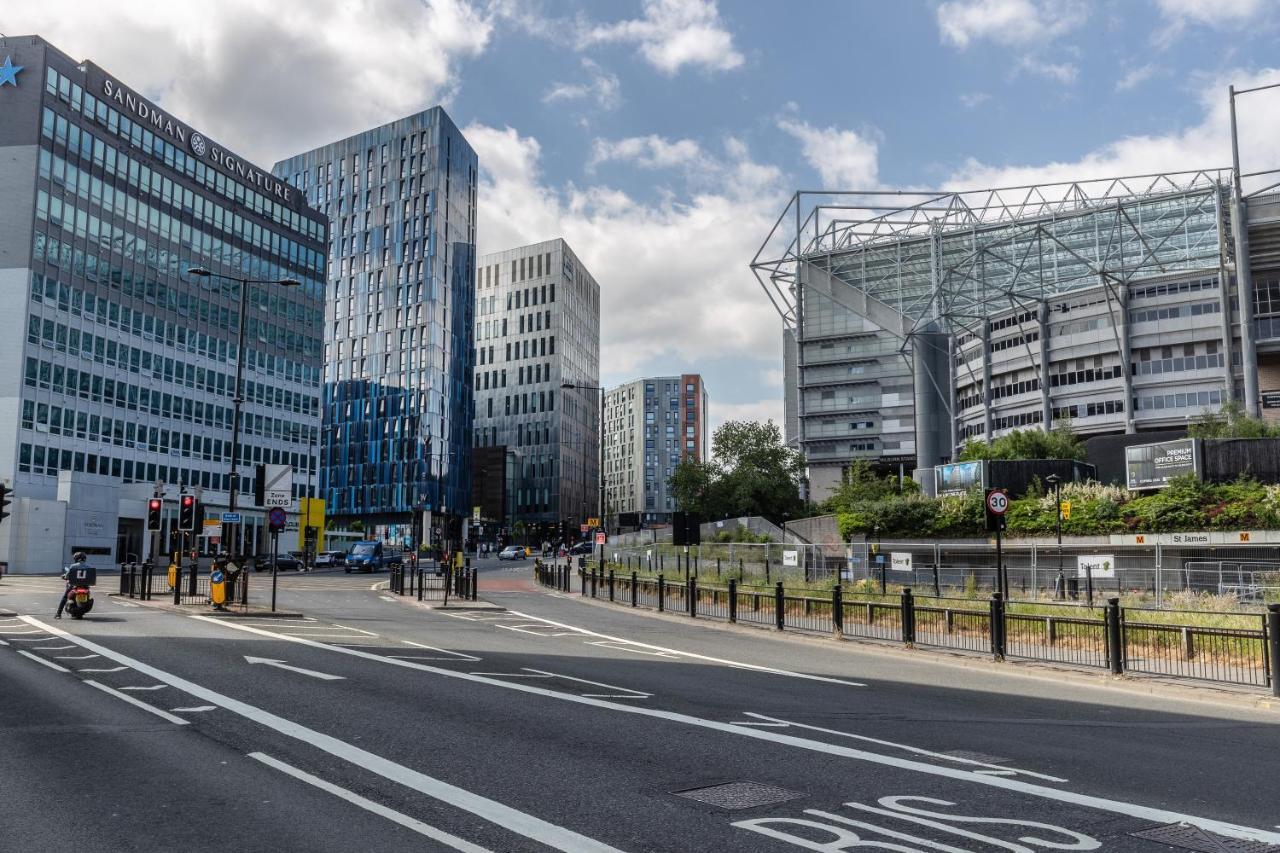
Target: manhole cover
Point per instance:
(739, 795)
(967, 755)
(1190, 837)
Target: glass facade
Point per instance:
(123, 363)
(401, 201)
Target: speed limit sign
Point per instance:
(997, 502)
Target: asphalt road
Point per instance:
(375, 723)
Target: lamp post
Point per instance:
(238, 399)
(1056, 481)
(569, 386)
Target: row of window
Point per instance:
(1175, 365)
(71, 94)
(1173, 288)
(1089, 410)
(71, 382)
(1191, 399)
(1014, 320)
(1173, 312)
(1062, 378)
(83, 145)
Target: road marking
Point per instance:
(549, 834)
(120, 603)
(990, 768)
(178, 721)
(150, 687)
(386, 598)
(453, 654)
(1156, 815)
(404, 820)
(74, 657)
(622, 647)
(38, 659)
(636, 693)
(3, 643)
(7, 633)
(112, 669)
(196, 710)
(279, 664)
(357, 630)
(52, 648)
(735, 664)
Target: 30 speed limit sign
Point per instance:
(997, 505)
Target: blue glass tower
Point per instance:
(399, 314)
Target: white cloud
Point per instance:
(603, 86)
(672, 34)
(271, 80)
(971, 100)
(1009, 22)
(1203, 145)
(1135, 77)
(648, 152)
(674, 281)
(1062, 72)
(1218, 14)
(844, 159)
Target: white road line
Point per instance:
(15, 633)
(386, 598)
(584, 681)
(452, 654)
(404, 820)
(997, 768)
(165, 715)
(3, 643)
(544, 832)
(38, 659)
(112, 669)
(606, 644)
(357, 630)
(736, 664)
(199, 709)
(120, 603)
(507, 674)
(52, 648)
(149, 687)
(74, 657)
(1085, 800)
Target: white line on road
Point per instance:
(622, 647)
(178, 721)
(8, 633)
(1085, 800)
(735, 664)
(120, 603)
(279, 664)
(584, 681)
(39, 659)
(149, 687)
(357, 630)
(386, 598)
(3, 643)
(112, 669)
(74, 657)
(404, 820)
(549, 834)
(52, 648)
(452, 654)
(997, 768)
(199, 709)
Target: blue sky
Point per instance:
(662, 137)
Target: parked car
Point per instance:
(284, 563)
(373, 556)
(512, 552)
(582, 548)
(331, 559)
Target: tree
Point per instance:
(752, 472)
(1059, 443)
(862, 483)
(1231, 421)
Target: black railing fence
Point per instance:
(183, 585)
(1233, 648)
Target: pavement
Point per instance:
(544, 722)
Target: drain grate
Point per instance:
(1190, 837)
(739, 795)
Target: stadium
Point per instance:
(916, 321)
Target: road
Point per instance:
(549, 723)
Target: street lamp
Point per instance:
(569, 386)
(1056, 481)
(238, 399)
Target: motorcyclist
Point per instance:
(77, 559)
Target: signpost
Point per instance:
(1090, 566)
(230, 518)
(997, 504)
(900, 561)
(276, 520)
(600, 537)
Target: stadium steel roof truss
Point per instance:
(950, 260)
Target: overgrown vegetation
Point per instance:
(751, 472)
(1059, 443)
(1231, 422)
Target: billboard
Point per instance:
(956, 478)
(900, 561)
(1152, 466)
(1096, 565)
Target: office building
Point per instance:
(401, 203)
(651, 426)
(1114, 305)
(538, 329)
(120, 364)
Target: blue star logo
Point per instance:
(9, 72)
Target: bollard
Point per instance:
(593, 581)
(908, 617)
(177, 588)
(123, 576)
(662, 594)
(1273, 645)
(1115, 647)
(692, 595)
(611, 586)
(766, 570)
(633, 589)
(733, 600)
(421, 579)
(191, 583)
(779, 603)
(717, 568)
(837, 611)
(997, 626)
(582, 581)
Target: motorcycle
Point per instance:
(79, 601)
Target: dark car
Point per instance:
(582, 548)
(284, 563)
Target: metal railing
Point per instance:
(1232, 648)
(145, 582)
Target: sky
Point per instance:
(663, 138)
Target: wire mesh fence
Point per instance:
(1229, 647)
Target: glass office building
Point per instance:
(401, 202)
(120, 365)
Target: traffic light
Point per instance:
(187, 513)
(153, 514)
(5, 500)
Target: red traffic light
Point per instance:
(154, 505)
(188, 500)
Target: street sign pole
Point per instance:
(275, 549)
(997, 504)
